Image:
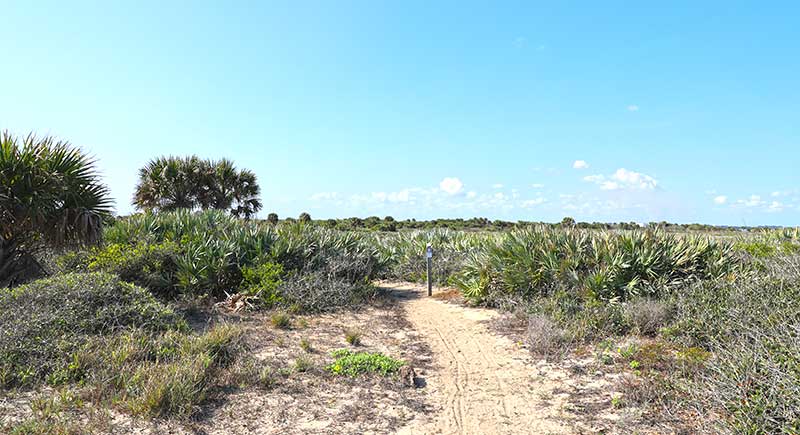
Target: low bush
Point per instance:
(647, 316)
(217, 255)
(750, 325)
(352, 364)
(156, 374)
(601, 266)
(404, 253)
(546, 339)
(261, 282)
(152, 266)
(319, 291)
(45, 321)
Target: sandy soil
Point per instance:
(475, 374)
(482, 383)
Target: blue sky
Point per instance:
(604, 111)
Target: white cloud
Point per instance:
(623, 179)
(451, 185)
(633, 108)
(775, 206)
(537, 185)
(580, 164)
(471, 194)
(721, 199)
(497, 186)
(752, 201)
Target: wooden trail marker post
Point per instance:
(429, 258)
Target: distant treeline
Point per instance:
(388, 223)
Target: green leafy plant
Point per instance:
(262, 282)
(348, 363)
(50, 195)
(46, 321)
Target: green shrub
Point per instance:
(758, 249)
(352, 364)
(152, 266)
(602, 266)
(218, 254)
(261, 282)
(44, 322)
(750, 326)
(162, 374)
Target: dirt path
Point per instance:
(483, 383)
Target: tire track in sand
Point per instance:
(483, 382)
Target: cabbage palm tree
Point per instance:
(50, 194)
(169, 183)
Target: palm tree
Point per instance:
(50, 194)
(169, 183)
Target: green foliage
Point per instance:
(216, 251)
(261, 282)
(148, 265)
(157, 374)
(170, 183)
(403, 253)
(352, 364)
(750, 325)
(50, 194)
(602, 266)
(45, 321)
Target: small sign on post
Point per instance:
(429, 258)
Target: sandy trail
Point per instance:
(483, 383)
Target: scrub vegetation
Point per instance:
(700, 323)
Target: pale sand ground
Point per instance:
(483, 383)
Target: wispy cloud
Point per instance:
(497, 186)
(623, 179)
(633, 108)
(720, 200)
(775, 206)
